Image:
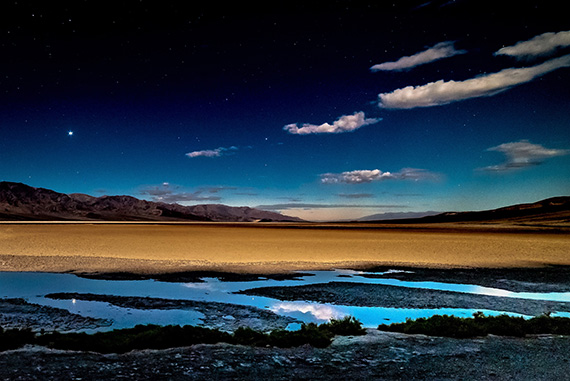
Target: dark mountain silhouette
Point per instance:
(396, 216)
(548, 211)
(20, 202)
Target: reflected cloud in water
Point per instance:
(300, 310)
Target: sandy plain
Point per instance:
(250, 247)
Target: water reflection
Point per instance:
(34, 286)
(308, 312)
(369, 316)
(124, 317)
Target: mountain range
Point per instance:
(555, 210)
(396, 216)
(21, 202)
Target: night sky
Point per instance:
(323, 112)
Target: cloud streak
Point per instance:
(220, 151)
(355, 195)
(541, 45)
(345, 123)
(522, 154)
(442, 92)
(437, 52)
(372, 175)
(301, 205)
(171, 194)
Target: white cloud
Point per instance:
(441, 92)
(220, 151)
(540, 45)
(355, 177)
(345, 123)
(318, 311)
(522, 154)
(437, 52)
(368, 176)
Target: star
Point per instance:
(70, 133)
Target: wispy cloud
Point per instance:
(345, 123)
(301, 205)
(355, 195)
(522, 154)
(220, 151)
(246, 194)
(370, 175)
(442, 92)
(437, 52)
(216, 189)
(541, 45)
(172, 194)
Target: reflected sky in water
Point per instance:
(34, 286)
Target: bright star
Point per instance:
(70, 133)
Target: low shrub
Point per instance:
(248, 336)
(158, 337)
(139, 337)
(15, 338)
(480, 325)
(308, 334)
(316, 335)
(347, 326)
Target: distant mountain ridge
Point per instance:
(396, 216)
(21, 202)
(550, 210)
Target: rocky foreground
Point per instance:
(377, 355)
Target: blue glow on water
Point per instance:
(34, 286)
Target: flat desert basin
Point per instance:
(270, 247)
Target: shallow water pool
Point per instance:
(34, 286)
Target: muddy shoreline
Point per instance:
(18, 313)
(223, 316)
(548, 278)
(372, 295)
(192, 276)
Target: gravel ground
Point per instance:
(377, 355)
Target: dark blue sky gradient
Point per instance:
(141, 84)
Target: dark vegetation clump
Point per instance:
(308, 334)
(347, 326)
(15, 338)
(480, 325)
(159, 337)
(139, 337)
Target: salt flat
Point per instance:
(146, 247)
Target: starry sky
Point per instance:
(324, 112)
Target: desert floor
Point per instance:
(435, 252)
(146, 247)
